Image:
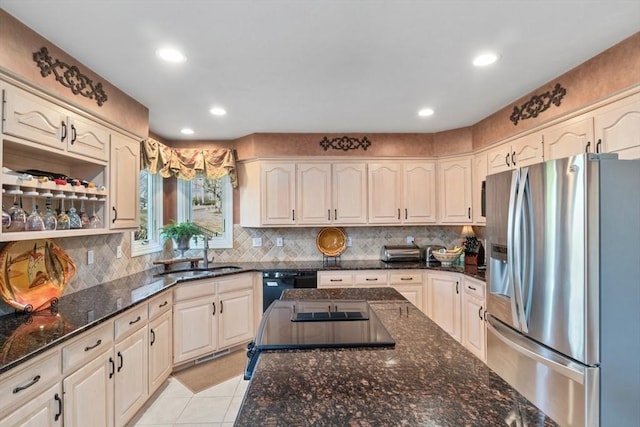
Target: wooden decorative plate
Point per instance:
(34, 274)
(331, 241)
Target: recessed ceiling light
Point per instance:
(187, 131)
(171, 55)
(218, 111)
(485, 59)
(425, 112)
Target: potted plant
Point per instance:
(181, 233)
(471, 247)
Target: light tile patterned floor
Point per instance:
(177, 406)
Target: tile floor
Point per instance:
(177, 406)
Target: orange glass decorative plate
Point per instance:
(34, 274)
(331, 241)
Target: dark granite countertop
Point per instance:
(428, 379)
(23, 336)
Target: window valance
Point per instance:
(186, 163)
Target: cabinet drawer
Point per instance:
(130, 321)
(160, 304)
(370, 278)
(474, 287)
(336, 279)
(196, 289)
(234, 283)
(30, 380)
(405, 277)
(87, 347)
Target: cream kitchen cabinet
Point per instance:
(444, 300)
(335, 279)
(32, 396)
(402, 192)
(617, 128)
(410, 284)
(44, 410)
(267, 193)
(331, 193)
(454, 190)
(473, 325)
(212, 314)
(568, 138)
(160, 340)
(479, 177)
(124, 170)
(519, 152)
(35, 119)
(370, 278)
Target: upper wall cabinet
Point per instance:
(520, 152)
(331, 193)
(617, 128)
(402, 192)
(569, 138)
(34, 119)
(267, 193)
(454, 184)
(479, 177)
(124, 169)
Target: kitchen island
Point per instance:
(428, 379)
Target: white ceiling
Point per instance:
(327, 66)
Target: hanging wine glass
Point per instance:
(74, 218)
(63, 218)
(95, 221)
(34, 220)
(6, 220)
(84, 217)
(49, 217)
(18, 215)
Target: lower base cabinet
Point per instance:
(160, 350)
(44, 410)
(444, 299)
(473, 324)
(131, 378)
(88, 393)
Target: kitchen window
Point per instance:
(146, 239)
(208, 202)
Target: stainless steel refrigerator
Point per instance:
(563, 323)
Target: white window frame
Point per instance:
(155, 244)
(225, 240)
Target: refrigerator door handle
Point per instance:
(519, 248)
(527, 251)
(515, 179)
(526, 347)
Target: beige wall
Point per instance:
(17, 45)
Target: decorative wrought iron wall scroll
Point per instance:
(69, 76)
(345, 143)
(537, 104)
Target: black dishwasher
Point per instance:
(274, 282)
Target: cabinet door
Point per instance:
(384, 193)
(479, 176)
(473, 326)
(569, 138)
(419, 192)
(88, 138)
(314, 193)
(235, 324)
(413, 293)
(617, 128)
(499, 159)
(88, 393)
(44, 410)
(349, 193)
(444, 299)
(194, 328)
(527, 150)
(160, 350)
(454, 178)
(32, 118)
(278, 193)
(124, 168)
(131, 379)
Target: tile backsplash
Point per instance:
(299, 244)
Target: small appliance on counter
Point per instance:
(428, 253)
(400, 253)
